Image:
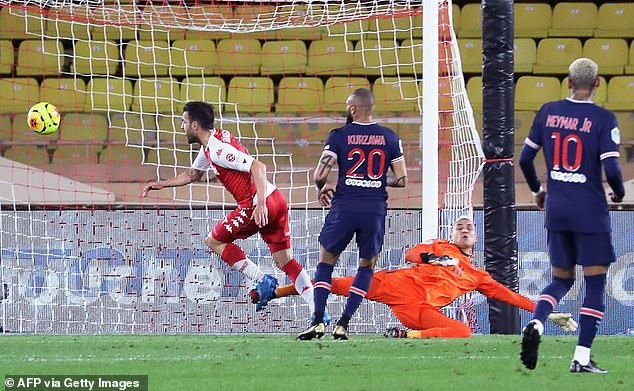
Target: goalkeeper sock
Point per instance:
(235, 257)
(300, 279)
(321, 287)
(358, 290)
(591, 312)
(551, 295)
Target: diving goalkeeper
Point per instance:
(442, 271)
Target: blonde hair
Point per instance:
(583, 73)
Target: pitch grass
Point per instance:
(278, 362)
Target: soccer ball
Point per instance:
(43, 118)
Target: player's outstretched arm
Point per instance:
(190, 176)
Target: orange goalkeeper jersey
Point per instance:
(439, 285)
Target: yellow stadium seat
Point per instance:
(574, 20)
(18, 94)
(471, 54)
(626, 126)
(398, 95)
(6, 126)
(615, 20)
(115, 23)
(609, 53)
(456, 19)
(531, 92)
(82, 137)
(410, 57)
(554, 55)
(532, 20)
(193, 57)
(331, 56)
(600, 96)
(474, 92)
(163, 15)
(629, 68)
(300, 14)
(523, 122)
(620, 93)
(251, 94)
(132, 129)
(284, 57)
(22, 134)
(351, 29)
(172, 148)
(155, 95)
(146, 58)
(255, 17)
(66, 94)
(202, 15)
(524, 55)
(239, 56)
(32, 155)
(21, 23)
(124, 155)
(375, 57)
(69, 22)
(112, 94)
(401, 25)
(300, 95)
(471, 21)
(210, 89)
(337, 89)
(6, 57)
(37, 57)
(96, 58)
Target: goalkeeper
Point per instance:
(442, 271)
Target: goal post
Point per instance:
(82, 252)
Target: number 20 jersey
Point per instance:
(576, 136)
(365, 152)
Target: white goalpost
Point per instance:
(81, 252)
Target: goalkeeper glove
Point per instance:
(563, 320)
(395, 332)
(438, 260)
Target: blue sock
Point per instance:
(551, 295)
(322, 285)
(358, 290)
(591, 312)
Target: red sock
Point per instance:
(232, 254)
(292, 269)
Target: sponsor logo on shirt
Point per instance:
(571, 177)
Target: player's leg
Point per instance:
(563, 255)
(595, 255)
(426, 321)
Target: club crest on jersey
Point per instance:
(230, 157)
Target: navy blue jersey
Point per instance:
(364, 154)
(575, 136)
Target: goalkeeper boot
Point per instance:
(315, 331)
(340, 333)
(395, 332)
(530, 344)
(591, 367)
(266, 291)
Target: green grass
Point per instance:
(278, 362)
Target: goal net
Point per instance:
(81, 251)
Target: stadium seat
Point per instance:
(193, 57)
(609, 53)
(330, 57)
(21, 23)
(445, 94)
(6, 124)
(7, 57)
(401, 25)
(523, 122)
(600, 95)
(615, 20)
(133, 129)
(37, 57)
(456, 19)
(337, 89)
(32, 155)
(626, 125)
(115, 23)
(67, 94)
(124, 155)
(532, 20)
(375, 57)
(297, 14)
(210, 89)
(251, 94)
(155, 95)
(470, 54)
(524, 54)
(395, 95)
(82, 136)
(111, 94)
(95, 58)
(410, 58)
(283, 57)
(18, 94)
(300, 95)
(620, 93)
(471, 21)
(166, 15)
(629, 68)
(255, 17)
(531, 92)
(146, 58)
(474, 92)
(554, 55)
(69, 22)
(574, 20)
(352, 29)
(202, 15)
(239, 56)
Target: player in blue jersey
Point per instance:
(363, 152)
(578, 138)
